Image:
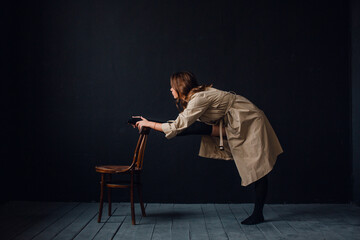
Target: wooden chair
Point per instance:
(134, 169)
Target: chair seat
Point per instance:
(114, 169)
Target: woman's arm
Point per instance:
(156, 126)
(145, 123)
(195, 108)
(197, 105)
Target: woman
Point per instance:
(250, 140)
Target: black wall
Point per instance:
(355, 76)
(75, 71)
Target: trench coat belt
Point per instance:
(221, 123)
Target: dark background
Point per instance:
(355, 77)
(73, 72)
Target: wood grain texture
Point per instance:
(62, 221)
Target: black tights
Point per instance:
(197, 128)
(261, 188)
(261, 185)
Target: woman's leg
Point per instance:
(261, 187)
(197, 128)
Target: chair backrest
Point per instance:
(138, 158)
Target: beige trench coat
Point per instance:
(251, 141)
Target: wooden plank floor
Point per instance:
(61, 221)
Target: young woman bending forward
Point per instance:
(232, 128)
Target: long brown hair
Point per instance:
(185, 84)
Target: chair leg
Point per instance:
(109, 197)
(101, 197)
(140, 197)
(132, 198)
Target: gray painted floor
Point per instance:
(57, 220)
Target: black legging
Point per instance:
(261, 185)
(197, 128)
(261, 188)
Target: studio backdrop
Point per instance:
(75, 71)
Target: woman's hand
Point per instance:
(143, 123)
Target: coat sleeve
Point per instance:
(195, 108)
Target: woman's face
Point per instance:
(174, 93)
